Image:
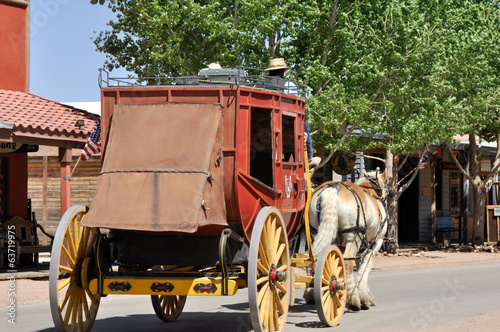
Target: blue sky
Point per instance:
(63, 61)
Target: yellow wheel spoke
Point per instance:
(325, 279)
(85, 307)
(264, 308)
(263, 256)
(281, 288)
(68, 256)
(282, 268)
(74, 312)
(325, 296)
(336, 309)
(63, 284)
(91, 242)
(327, 304)
(337, 301)
(339, 271)
(262, 268)
(67, 296)
(69, 308)
(280, 252)
(328, 268)
(163, 303)
(277, 300)
(262, 280)
(69, 238)
(80, 315)
(83, 242)
(267, 236)
(276, 321)
(276, 240)
(261, 294)
(76, 237)
(66, 269)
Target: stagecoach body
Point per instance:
(199, 184)
(191, 161)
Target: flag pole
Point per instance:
(79, 158)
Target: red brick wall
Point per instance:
(12, 47)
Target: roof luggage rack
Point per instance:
(235, 76)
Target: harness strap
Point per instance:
(360, 231)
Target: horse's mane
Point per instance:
(370, 174)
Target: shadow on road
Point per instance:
(187, 321)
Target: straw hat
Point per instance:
(214, 66)
(277, 63)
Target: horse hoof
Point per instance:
(353, 307)
(309, 296)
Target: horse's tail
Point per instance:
(328, 219)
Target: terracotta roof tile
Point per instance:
(37, 115)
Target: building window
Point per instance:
(455, 193)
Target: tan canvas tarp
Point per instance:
(160, 168)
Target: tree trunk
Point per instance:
(392, 202)
(479, 214)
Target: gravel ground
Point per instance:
(31, 291)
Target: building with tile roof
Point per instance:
(28, 121)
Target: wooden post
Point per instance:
(65, 158)
(433, 198)
(44, 196)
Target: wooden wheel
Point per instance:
(330, 286)
(269, 272)
(168, 307)
(73, 306)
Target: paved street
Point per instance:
(407, 299)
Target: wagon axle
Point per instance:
(336, 285)
(275, 275)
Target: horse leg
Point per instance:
(366, 296)
(353, 300)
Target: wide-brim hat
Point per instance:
(277, 63)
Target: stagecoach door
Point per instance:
(275, 157)
(287, 161)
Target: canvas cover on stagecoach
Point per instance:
(162, 169)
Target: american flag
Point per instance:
(425, 159)
(93, 145)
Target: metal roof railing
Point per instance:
(238, 76)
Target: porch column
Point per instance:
(65, 158)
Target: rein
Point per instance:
(376, 187)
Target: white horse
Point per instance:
(352, 215)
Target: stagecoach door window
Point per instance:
(261, 145)
(288, 129)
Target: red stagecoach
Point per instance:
(204, 184)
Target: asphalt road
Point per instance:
(407, 299)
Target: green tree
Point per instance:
(171, 38)
(416, 71)
(470, 68)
